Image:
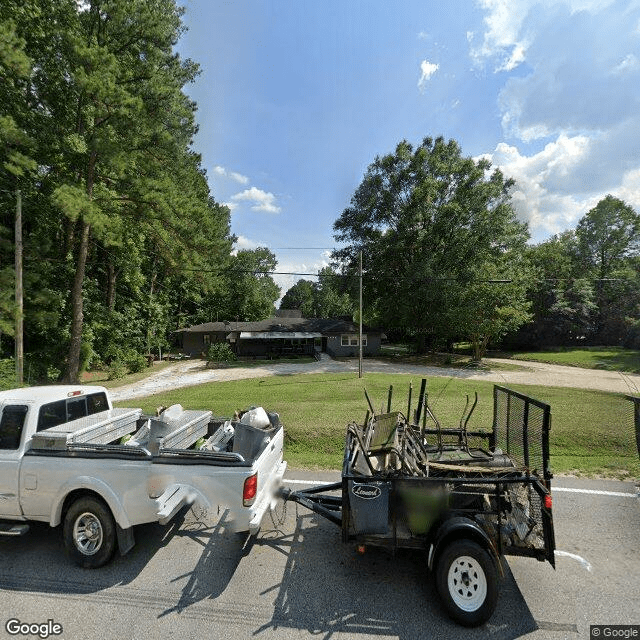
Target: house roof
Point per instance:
(279, 325)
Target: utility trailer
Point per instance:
(466, 498)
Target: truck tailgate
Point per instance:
(270, 469)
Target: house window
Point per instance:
(206, 339)
(351, 340)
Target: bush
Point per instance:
(136, 362)
(116, 370)
(220, 352)
(7, 374)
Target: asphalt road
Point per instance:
(193, 579)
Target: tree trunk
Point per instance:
(111, 287)
(476, 348)
(72, 373)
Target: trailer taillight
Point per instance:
(250, 490)
(548, 501)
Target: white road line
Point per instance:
(618, 494)
(565, 554)
(313, 482)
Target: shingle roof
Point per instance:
(323, 325)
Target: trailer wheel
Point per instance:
(89, 533)
(467, 581)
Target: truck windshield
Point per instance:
(11, 424)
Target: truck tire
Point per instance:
(467, 582)
(89, 533)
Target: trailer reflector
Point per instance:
(250, 490)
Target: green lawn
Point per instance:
(592, 432)
(102, 377)
(610, 358)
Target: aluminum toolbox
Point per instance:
(100, 428)
(179, 433)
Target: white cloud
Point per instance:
(629, 190)
(242, 242)
(578, 93)
(511, 23)
(427, 69)
(237, 177)
(516, 58)
(628, 65)
(262, 200)
(555, 187)
(232, 206)
(502, 37)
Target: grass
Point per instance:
(101, 377)
(592, 432)
(609, 358)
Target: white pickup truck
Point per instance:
(63, 461)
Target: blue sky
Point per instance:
(297, 97)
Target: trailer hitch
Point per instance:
(317, 500)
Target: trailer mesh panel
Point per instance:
(521, 429)
(636, 418)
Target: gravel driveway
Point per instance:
(185, 374)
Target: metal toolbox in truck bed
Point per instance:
(100, 428)
(178, 433)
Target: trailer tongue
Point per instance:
(467, 498)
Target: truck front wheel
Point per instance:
(467, 581)
(89, 533)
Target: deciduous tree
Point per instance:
(430, 222)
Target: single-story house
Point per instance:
(282, 336)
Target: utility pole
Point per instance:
(360, 318)
(19, 293)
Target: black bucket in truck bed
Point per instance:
(250, 441)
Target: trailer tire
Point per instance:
(89, 533)
(467, 582)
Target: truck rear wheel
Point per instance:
(89, 533)
(467, 581)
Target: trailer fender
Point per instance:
(93, 485)
(458, 528)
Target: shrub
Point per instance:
(220, 352)
(136, 362)
(7, 374)
(116, 370)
